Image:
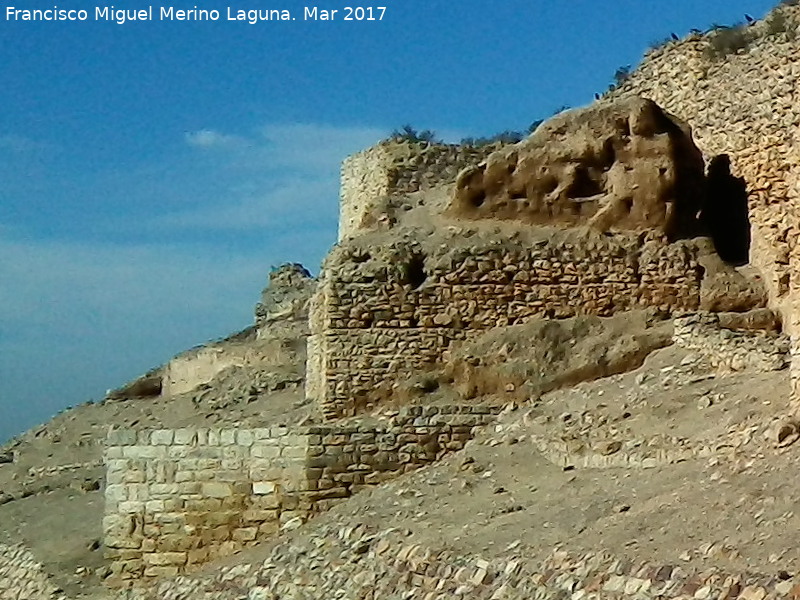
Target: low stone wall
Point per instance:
(371, 326)
(196, 367)
(22, 577)
(395, 168)
(730, 350)
(178, 498)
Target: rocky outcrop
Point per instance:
(627, 165)
(286, 297)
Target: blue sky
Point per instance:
(152, 172)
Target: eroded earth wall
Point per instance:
(397, 167)
(194, 368)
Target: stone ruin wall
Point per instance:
(22, 577)
(191, 369)
(746, 105)
(176, 499)
(365, 333)
(393, 168)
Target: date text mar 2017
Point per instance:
(346, 13)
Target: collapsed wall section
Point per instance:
(395, 167)
(176, 499)
(370, 325)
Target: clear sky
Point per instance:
(152, 172)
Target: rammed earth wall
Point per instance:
(370, 327)
(395, 168)
(178, 498)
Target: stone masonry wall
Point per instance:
(22, 577)
(395, 168)
(746, 105)
(178, 498)
(368, 562)
(368, 329)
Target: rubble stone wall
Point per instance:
(367, 334)
(395, 168)
(22, 577)
(364, 562)
(730, 350)
(178, 498)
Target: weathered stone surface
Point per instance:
(626, 165)
(731, 350)
(384, 310)
(286, 297)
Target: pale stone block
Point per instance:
(263, 488)
(134, 476)
(182, 476)
(159, 572)
(162, 437)
(118, 464)
(112, 453)
(215, 489)
(227, 437)
(165, 558)
(265, 451)
(186, 437)
(131, 506)
(245, 437)
(144, 452)
(262, 434)
(294, 453)
(202, 437)
(163, 489)
(154, 506)
(245, 534)
(121, 437)
(116, 493)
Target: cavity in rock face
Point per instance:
(626, 166)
